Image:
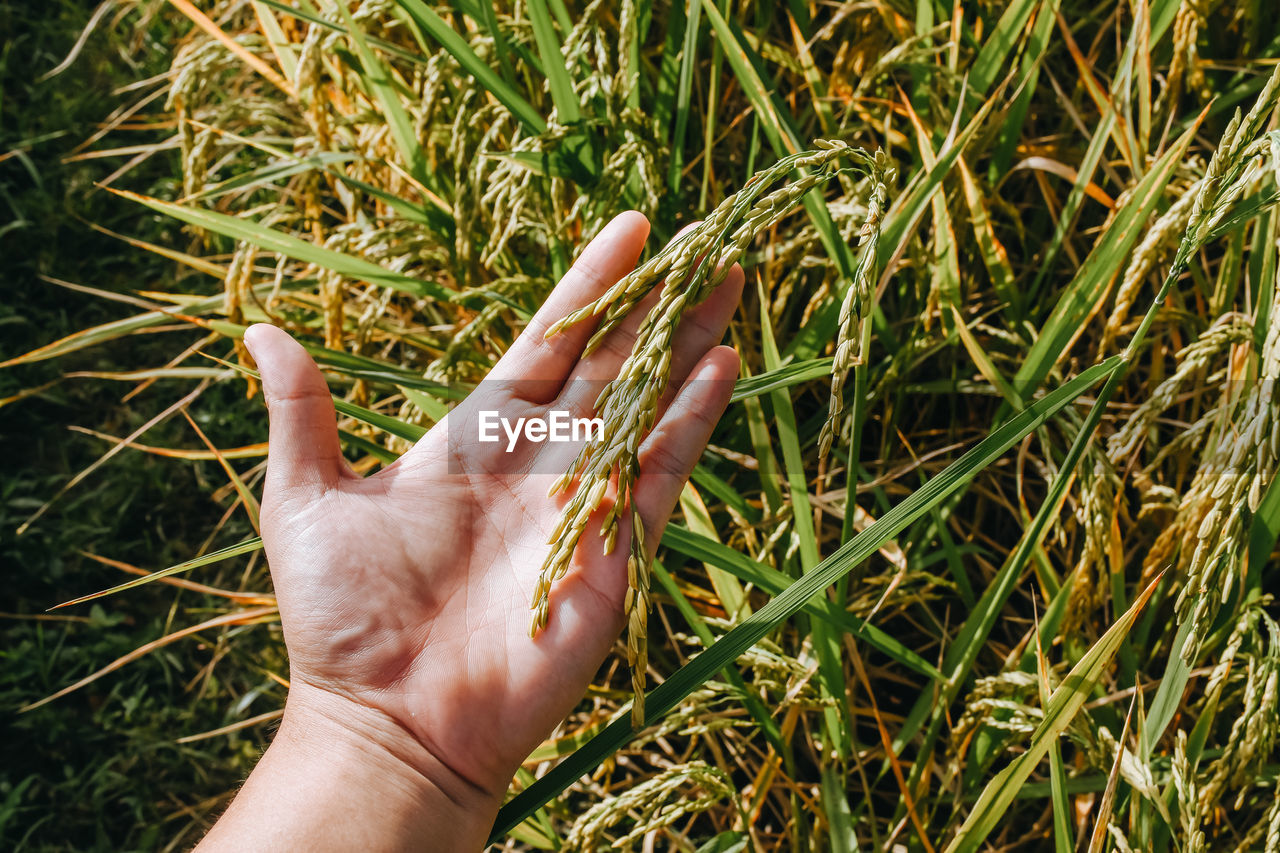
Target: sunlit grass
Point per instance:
(929, 635)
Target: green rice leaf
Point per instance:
(376, 76)
(426, 18)
(246, 547)
(1062, 708)
(294, 247)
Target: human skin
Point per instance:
(415, 688)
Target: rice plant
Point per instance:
(981, 555)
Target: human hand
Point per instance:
(404, 596)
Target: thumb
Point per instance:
(303, 450)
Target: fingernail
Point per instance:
(249, 334)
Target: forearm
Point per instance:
(342, 779)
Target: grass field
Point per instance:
(980, 556)
(101, 770)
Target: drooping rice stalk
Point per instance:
(651, 805)
(688, 271)
(856, 306)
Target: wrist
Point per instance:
(342, 776)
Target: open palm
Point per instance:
(407, 593)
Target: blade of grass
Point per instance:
(812, 76)
(246, 496)
(1084, 296)
(775, 582)
(837, 719)
(1063, 705)
(1098, 840)
(1025, 85)
(749, 700)
(782, 137)
(199, 264)
(1168, 698)
(255, 598)
(377, 451)
(246, 547)
(448, 38)
(684, 92)
(561, 13)
(1063, 838)
(559, 84)
(761, 440)
(279, 42)
(312, 17)
(489, 20)
(983, 362)
(992, 251)
(989, 63)
(386, 423)
(248, 451)
(703, 478)
(256, 720)
(946, 269)
(792, 373)
(376, 77)
(271, 173)
(286, 244)
(726, 586)
(430, 406)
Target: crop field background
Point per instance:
(980, 557)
